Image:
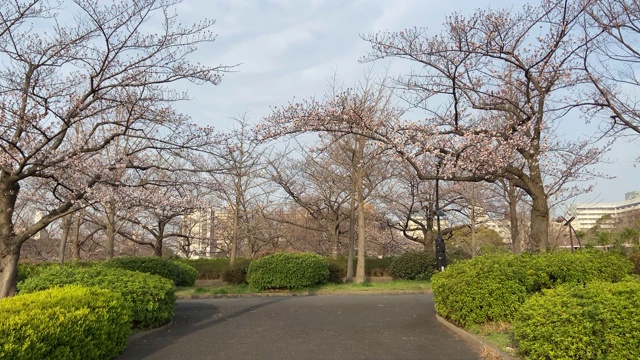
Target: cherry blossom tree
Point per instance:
(242, 187)
(68, 92)
(492, 85)
(612, 51)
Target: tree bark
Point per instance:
(335, 242)
(352, 236)
(360, 269)
(540, 223)
(110, 230)
(67, 221)
(9, 256)
(77, 244)
(9, 245)
(512, 199)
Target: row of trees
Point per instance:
(91, 142)
(493, 87)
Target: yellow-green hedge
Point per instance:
(67, 323)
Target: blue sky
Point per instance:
(289, 48)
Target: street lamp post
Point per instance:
(441, 254)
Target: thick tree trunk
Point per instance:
(236, 225)
(67, 221)
(429, 237)
(77, 244)
(539, 212)
(75, 251)
(157, 248)
(335, 243)
(540, 223)
(360, 269)
(352, 238)
(111, 236)
(9, 245)
(512, 199)
(9, 257)
(110, 230)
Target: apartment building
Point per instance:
(606, 215)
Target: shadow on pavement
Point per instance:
(191, 316)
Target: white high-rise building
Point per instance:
(589, 215)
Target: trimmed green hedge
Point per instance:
(26, 270)
(373, 267)
(598, 320)
(150, 297)
(493, 287)
(237, 273)
(148, 264)
(413, 265)
(208, 269)
(288, 271)
(188, 274)
(64, 323)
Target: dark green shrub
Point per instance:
(635, 260)
(188, 274)
(208, 269)
(412, 264)
(337, 270)
(148, 264)
(288, 271)
(237, 273)
(586, 265)
(492, 288)
(64, 323)
(597, 320)
(468, 293)
(150, 297)
(378, 266)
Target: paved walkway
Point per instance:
(368, 327)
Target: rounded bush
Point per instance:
(413, 264)
(468, 294)
(597, 320)
(237, 273)
(71, 322)
(288, 271)
(188, 274)
(148, 264)
(150, 297)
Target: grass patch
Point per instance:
(328, 289)
(498, 334)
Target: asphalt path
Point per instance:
(304, 327)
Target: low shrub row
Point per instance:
(288, 271)
(207, 269)
(373, 267)
(64, 323)
(413, 265)
(150, 297)
(180, 273)
(492, 288)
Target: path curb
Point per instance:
(303, 293)
(475, 340)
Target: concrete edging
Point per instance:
(475, 340)
(303, 293)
